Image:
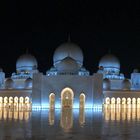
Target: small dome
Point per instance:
(28, 83)
(68, 50)
(109, 61)
(135, 71)
(106, 84)
(67, 65)
(126, 85)
(26, 62)
(9, 83)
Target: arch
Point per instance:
(1, 100)
(82, 100)
(21, 100)
(27, 100)
(5, 101)
(128, 101)
(11, 100)
(118, 100)
(67, 96)
(16, 99)
(52, 100)
(138, 100)
(107, 100)
(134, 100)
(16, 102)
(113, 100)
(123, 101)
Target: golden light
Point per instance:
(82, 100)
(107, 101)
(118, 101)
(123, 101)
(52, 100)
(128, 101)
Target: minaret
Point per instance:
(69, 37)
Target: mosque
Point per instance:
(68, 83)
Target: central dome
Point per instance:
(68, 50)
(67, 65)
(109, 61)
(26, 62)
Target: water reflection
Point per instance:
(82, 116)
(51, 116)
(122, 113)
(113, 123)
(14, 114)
(66, 121)
(66, 118)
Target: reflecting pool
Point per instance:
(113, 123)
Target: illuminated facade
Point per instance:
(68, 84)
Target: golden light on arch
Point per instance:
(67, 96)
(67, 90)
(27, 100)
(107, 100)
(82, 100)
(118, 100)
(123, 101)
(128, 101)
(5, 99)
(11, 100)
(16, 99)
(21, 100)
(138, 100)
(134, 101)
(113, 100)
(1, 100)
(52, 100)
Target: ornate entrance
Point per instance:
(67, 96)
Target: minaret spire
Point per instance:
(69, 37)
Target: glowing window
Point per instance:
(113, 100)
(16, 100)
(123, 101)
(107, 100)
(82, 100)
(138, 100)
(118, 101)
(52, 100)
(134, 101)
(128, 101)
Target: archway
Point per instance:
(11, 101)
(52, 100)
(1, 101)
(27, 103)
(16, 102)
(107, 100)
(67, 96)
(5, 101)
(82, 100)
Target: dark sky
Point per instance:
(95, 27)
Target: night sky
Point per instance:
(95, 27)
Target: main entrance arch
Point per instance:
(67, 96)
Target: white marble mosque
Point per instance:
(68, 83)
